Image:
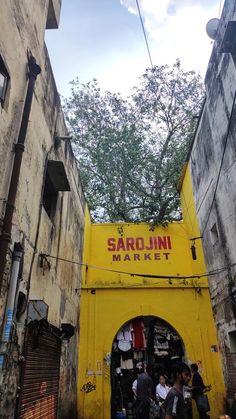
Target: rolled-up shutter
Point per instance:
(40, 385)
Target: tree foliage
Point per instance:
(131, 151)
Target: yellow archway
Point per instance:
(121, 380)
(103, 313)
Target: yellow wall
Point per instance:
(109, 299)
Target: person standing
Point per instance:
(161, 389)
(161, 393)
(174, 404)
(144, 394)
(140, 370)
(198, 388)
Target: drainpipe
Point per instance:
(5, 237)
(6, 331)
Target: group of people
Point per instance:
(169, 402)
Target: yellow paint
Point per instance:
(110, 299)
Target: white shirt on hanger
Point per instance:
(124, 337)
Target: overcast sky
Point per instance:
(103, 39)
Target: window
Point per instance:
(55, 181)
(3, 86)
(4, 77)
(232, 341)
(228, 44)
(49, 197)
(229, 38)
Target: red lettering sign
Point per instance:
(111, 244)
(120, 244)
(138, 243)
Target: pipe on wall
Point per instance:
(8, 319)
(5, 237)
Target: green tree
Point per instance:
(131, 151)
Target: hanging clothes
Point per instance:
(124, 337)
(127, 355)
(138, 355)
(126, 364)
(139, 340)
(177, 347)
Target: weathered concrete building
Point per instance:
(39, 302)
(212, 164)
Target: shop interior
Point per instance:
(142, 341)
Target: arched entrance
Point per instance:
(141, 341)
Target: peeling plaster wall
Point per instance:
(218, 220)
(22, 29)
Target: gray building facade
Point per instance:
(41, 224)
(212, 164)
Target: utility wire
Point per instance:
(197, 276)
(221, 164)
(144, 33)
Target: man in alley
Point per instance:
(174, 404)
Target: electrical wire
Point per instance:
(133, 274)
(144, 33)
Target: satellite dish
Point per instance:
(212, 27)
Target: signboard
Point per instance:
(139, 248)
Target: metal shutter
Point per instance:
(39, 392)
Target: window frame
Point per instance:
(55, 181)
(5, 74)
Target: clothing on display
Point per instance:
(138, 355)
(143, 341)
(124, 337)
(126, 364)
(139, 340)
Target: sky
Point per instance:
(103, 39)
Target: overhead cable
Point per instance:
(197, 276)
(144, 33)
